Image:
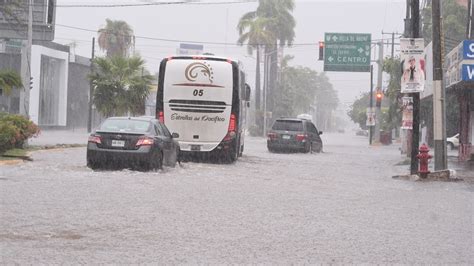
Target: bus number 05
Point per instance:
(198, 92)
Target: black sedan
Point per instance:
(134, 142)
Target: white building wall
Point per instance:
(36, 53)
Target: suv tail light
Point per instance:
(95, 139)
(272, 136)
(231, 132)
(301, 137)
(143, 141)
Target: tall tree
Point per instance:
(253, 31)
(282, 25)
(120, 85)
(116, 38)
(453, 24)
(302, 90)
(9, 11)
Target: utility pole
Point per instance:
(415, 139)
(393, 42)
(371, 97)
(26, 64)
(470, 20)
(378, 112)
(91, 88)
(439, 94)
(265, 88)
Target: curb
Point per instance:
(443, 176)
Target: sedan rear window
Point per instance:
(288, 125)
(125, 125)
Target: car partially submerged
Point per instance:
(132, 142)
(294, 134)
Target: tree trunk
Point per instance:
(257, 81)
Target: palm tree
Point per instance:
(9, 79)
(252, 29)
(116, 38)
(282, 23)
(120, 85)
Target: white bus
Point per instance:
(204, 99)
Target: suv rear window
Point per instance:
(288, 125)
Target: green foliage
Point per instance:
(301, 89)
(15, 130)
(358, 110)
(393, 119)
(454, 23)
(115, 38)
(9, 79)
(8, 136)
(9, 10)
(120, 85)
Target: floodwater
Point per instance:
(340, 206)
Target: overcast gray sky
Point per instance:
(217, 23)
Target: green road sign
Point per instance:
(347, 52)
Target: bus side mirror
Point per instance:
(247, 92)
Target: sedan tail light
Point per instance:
(95, 139)
(301, 137)
(144, 141)
(272, 136)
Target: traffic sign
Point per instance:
(347, 52)
(468, 72)
(370, 122)
(468, 49)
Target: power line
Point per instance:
(150, 4)
(189, 41)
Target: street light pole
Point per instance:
(439, 93)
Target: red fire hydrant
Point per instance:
(424, 158)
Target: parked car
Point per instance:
(453, 142)
(135, 142)
(362, 132)
(294, 134)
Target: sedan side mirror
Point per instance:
(247, 92)
(320, 132)
(175, 135)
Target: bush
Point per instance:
(8, 136)
(15, 130)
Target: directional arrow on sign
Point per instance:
(360, 50)
(330, 59)
(334, 38)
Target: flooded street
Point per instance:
(341, 206)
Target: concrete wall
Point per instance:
(38, 55)
(78, 93)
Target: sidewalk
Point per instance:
(57, 137)
(464, 170)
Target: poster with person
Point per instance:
(413, 65)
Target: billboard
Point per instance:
(413, 65)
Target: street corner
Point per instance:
(10, 162)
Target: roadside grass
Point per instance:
(15, 154)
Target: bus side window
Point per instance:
(243, 95)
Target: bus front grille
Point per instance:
(196, 106)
